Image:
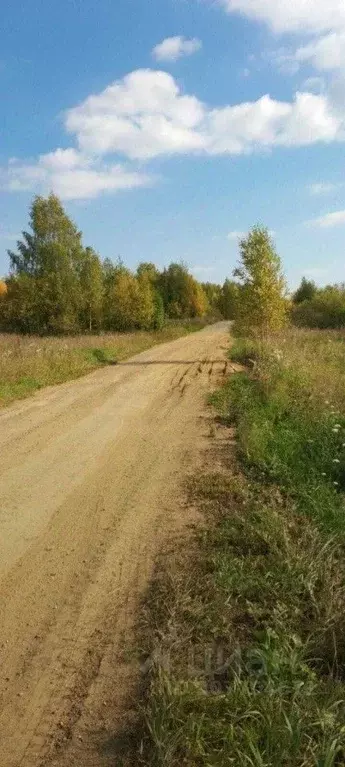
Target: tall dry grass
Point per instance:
(316, 356)
(28, 363)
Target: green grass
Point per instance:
(247, 627)
(28, 363)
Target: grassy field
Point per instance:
(28, 363)
(247, 627)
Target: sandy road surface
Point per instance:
(89, 490)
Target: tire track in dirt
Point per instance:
(89, 494)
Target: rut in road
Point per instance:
(90, 491)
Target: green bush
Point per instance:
(325, 310)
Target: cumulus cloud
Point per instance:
(295, 16)
(173, 48)
(337, 218)
(146, 115)
(70, 175)
(326, 53)
(142, 116)
(322, 20)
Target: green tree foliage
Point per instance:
(146, 305)
(261, 307)
(158, 311)
(213, 294)
(56, 285)
(306, 291)
(228, 299)
(182, 295)
(326, 309)
(50, 256)
(149, 270)
(20, 308)
(92, 290)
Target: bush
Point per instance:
(325, 310)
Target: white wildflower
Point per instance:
(336, 460)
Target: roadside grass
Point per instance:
(246, 629)
(28, 363)
(317, 356)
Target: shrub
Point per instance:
(325, 310)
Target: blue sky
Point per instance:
(168, 127)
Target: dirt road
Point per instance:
(90, 476)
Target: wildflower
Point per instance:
(335, 431)
(323, 474)
(336, 460)
(335, 483)
(337, 425)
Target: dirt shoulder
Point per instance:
(90, 491)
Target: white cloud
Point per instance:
(70, 175)
(329, 220)
(323, 188)
(173, 48)
(292, 16)
(310, 120)
(142, 116)
(326, 53)
(146, 115)
(314, 84)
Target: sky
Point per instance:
(170, 127)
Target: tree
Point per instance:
(182, 295)
(18, 308)
(158, 311)
(197, 304)
(213, 294)
(51, 257)
(228, 299)
(146, 307)
(91, 284)
(149, 270)
(123, 301)
(306, 291)
(261, 307)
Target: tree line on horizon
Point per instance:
(57, 286)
